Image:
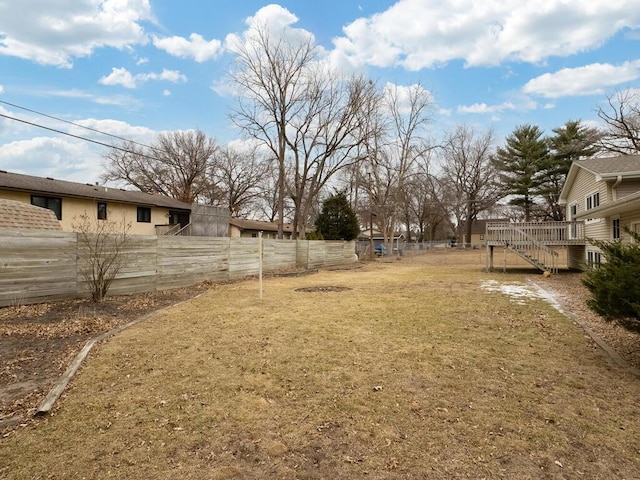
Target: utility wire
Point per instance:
(77, 136)
(76, 125)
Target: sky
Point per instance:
(136, 68)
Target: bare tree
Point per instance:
(426, 208)
(621, 116)
(395, 144)
(269, 73)
(175, 165)
(469, 174)
(324, 137)
(101, 252)
(236, 176)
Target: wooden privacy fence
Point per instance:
(37, 266)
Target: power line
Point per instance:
(76, 124)
(77, 136)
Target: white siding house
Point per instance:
(601, 197)
(605, 194)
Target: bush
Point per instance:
(615, 285)
(101, 252)
(337, 220)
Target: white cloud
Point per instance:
(124, 78)
(418, 34)
(483, 108)
(119, 76)
(54, 33)
(1, 89)
(195, 47)
(142, 61)
(402, 95)
(52, 157)
(113, 127)
(588, 80)
(276, 21)
(166, 93)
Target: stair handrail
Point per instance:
(186, 230)
(172, 231)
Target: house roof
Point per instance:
(259, 225)
(626, 165)
(16, 215)
(50, 186)
(606, 168)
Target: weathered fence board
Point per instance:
(38, 266)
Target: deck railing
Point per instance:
(548, 233)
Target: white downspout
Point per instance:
(614, 192)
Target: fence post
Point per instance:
(260, 261)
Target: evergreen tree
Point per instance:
(573, 141)
(519, 163)
(614, 284)
(337, 220)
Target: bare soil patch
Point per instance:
(573, 297)
(38, 342)
(323, 288)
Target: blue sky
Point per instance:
(135, 68)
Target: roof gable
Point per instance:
(606, 168)
(50, 186)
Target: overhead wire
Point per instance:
(76, 124)
(115, 147)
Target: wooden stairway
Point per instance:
(527, 247)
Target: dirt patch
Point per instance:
(573, 295)
(38, 342)
(323, 288)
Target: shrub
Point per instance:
(615, 284)
(337, 220)
(101, 252)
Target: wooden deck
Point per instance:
(535, 242)
(547, 233)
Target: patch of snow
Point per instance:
(521, 293)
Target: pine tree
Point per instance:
(573, 141)
(337, 220)
(518, 164)
(615, 285)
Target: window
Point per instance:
(573, 213)
(52, 203)
(615, 229)
(594, 259)
(102, 210)
(144, 215)
(593, 200)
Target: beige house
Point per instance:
(478, 231)
(242, 228)
(147, 214)
(601, 195)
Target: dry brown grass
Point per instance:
(416, 372)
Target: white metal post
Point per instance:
(260, 261)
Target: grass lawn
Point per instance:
(415, 372)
